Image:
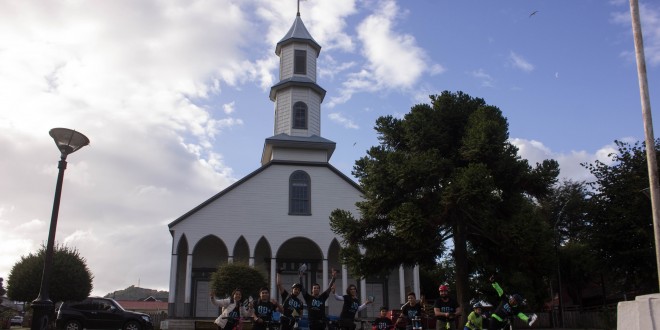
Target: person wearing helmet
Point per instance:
(510, 306)
(291, 304)
(445, 310)
(475, 319)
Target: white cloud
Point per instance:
(229, 108)
(520, 63)
(340, 119)
(129, 76)
(485, 78)
(385, 49)
(569, 163)
(650, 21)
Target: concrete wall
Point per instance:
(641, 314)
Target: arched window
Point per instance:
(300, 115)
(300, 194)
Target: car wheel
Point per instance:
(72, 325)
(132, 325)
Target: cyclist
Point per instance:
(291, 304)
(509, 307)
(382, 322)
(445, 310)
(411, 311)
(316, 303)
(263, 310)
(475, 319)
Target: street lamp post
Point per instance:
(67, 141)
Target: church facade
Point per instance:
(277, 217)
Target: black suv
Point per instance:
(100, 313)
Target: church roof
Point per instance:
(298, 32)
(297, 142)
(307, 142)
(301, 81)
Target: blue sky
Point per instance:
(174, 98)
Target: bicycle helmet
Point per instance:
(296, 285)
(443, 287)
(477, 305)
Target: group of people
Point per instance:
(445, 309)
(261, 311)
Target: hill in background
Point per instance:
(136, 293)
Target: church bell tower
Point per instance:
(298, 99)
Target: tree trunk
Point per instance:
(461, 261)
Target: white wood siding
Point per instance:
(284, 105)
(259, 207)
(300, 154)
(286, 64)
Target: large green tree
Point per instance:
(566, 210)
(446, 170)
(620, 228)
(70, 278)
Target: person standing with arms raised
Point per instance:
(316, 302)
(291, 304)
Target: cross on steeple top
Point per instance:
(298, 12)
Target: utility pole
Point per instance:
(652, 163)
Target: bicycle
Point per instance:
(332, 322)
(270, 324)
(509, 322)
(290, 320)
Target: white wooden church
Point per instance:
(277, 217)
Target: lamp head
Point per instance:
(68, 140)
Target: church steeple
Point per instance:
(298, 100)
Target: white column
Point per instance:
(273, 272)
(251, 262)
(363, 291)
(173, 266)
(402, 285)
(344, 279)
(188, 278)
(416, 281)
(325, 275)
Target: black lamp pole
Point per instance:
(67, 141)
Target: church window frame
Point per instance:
(300, 193)
(300, 61)
(300, 115)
